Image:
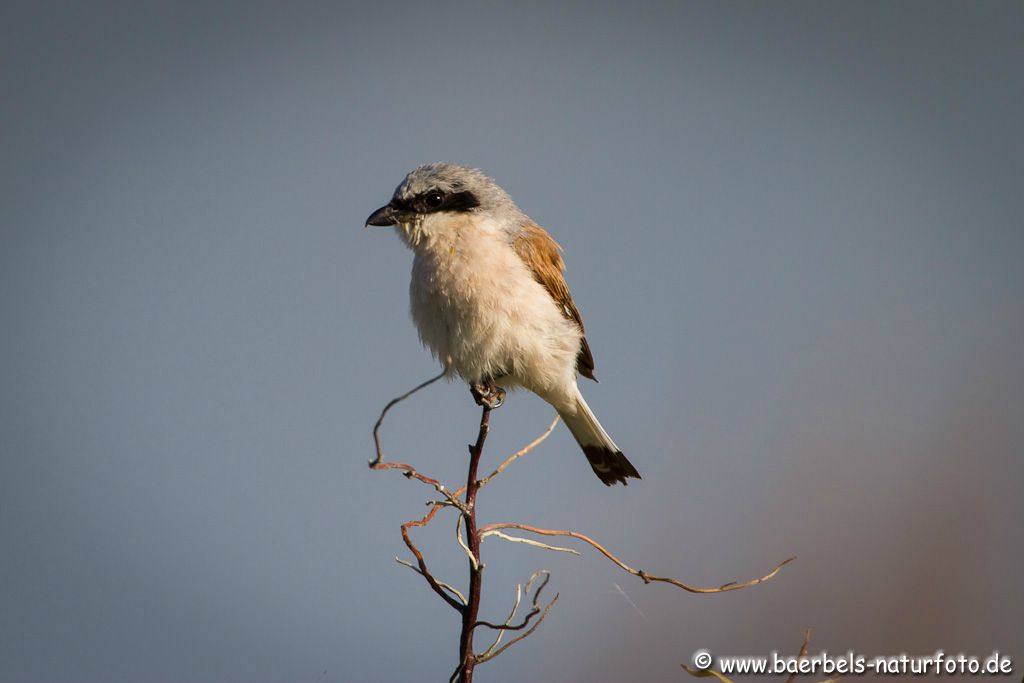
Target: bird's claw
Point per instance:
(488, 395)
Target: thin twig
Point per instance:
(506, 626)
(801, 655)
(647, 578)
(468, 605)
(455, 591)
(459, 607)
(520, 453)
(451, 497)
(458, 537)
(410, 472)
(437, 588)
(533, 611)
(528, 541)
(508, 620)
(491, 653)
(398, 399)
(543, 616)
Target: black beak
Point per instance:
(382, 217)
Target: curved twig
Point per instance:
(380, 420)
(647, 578)
(528, 541)
(508, 620)
(459, 607)
(473, 561)
(535, 608)
(447, 586)
(801, 655)
(543, 615)
(464, 500)
(520, 453)
(411, 472)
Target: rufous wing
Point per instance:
(543, 256)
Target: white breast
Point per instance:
(478, 308)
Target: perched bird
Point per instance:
(489, 299)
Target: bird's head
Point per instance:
(434, 198)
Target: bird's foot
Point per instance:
(487, 395)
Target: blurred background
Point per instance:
(794, 231)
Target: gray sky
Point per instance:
(793, 230)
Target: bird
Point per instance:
(488, 297)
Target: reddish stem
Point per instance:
(472, 608)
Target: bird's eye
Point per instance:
(433, 200)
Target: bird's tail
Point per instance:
(609, 464)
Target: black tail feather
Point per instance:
(611, 467)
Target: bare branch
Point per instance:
(459, 607)
(464, 500)
(451, 498)
(473, 561)
(467, 656)
(803, 653)
(647, 578)
(410, 472)
(442, 584)
(543, 616)
(533, 611)
(508, 620)
(520, 453)
(380, 420)
(506, 626)
(527, 541)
